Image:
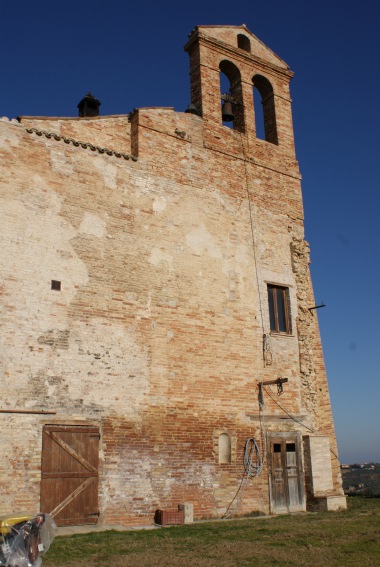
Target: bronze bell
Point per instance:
(192, 109)
(227, 114)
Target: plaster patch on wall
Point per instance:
(93, 225)
(11, 138)
(243, 257)
(157, 256)
(111, 372)
(59, 162)
(39, 198)
(240, 259)
(108, 172)
(159, 204)
(38, 245)
(273, 252)
(142, 184)
(228, 205)
(145, 311)
(111, 356)
(149, 468)
(202, 242)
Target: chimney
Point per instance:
(89, 106)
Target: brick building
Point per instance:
(156, 305)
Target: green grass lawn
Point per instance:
(329, 538)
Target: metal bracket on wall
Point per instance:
(317, 307)
(29, 412)
(279, 382)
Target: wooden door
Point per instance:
(69, 483)
(286, 476)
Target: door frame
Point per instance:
(283, 438)
(87, 478)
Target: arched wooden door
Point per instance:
(69, 475)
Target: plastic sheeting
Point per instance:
(23, 539)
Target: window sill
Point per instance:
(283, 335)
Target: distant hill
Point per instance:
(362, 479)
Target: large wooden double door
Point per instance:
(69, 479)
(286, 473)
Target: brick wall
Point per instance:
(157, 332)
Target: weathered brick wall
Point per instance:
(157, 333)
(111, 132)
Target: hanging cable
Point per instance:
(236, 499)
(253, 466)
(253, 458)
(280, 405)
(263, 426)
(252, 218)
(253, 463)
(293, 417)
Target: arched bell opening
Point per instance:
(265, 112)
(231, 96)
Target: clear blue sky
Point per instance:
(130, 54)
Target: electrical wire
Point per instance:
(236, 499)
(293, 417)
(252, 215)
(263, 429)
(253, 460)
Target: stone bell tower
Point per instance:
(257, 156)
(247, 63)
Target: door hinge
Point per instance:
(94, 514)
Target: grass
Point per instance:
(344, 538)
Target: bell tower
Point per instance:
(233, 51)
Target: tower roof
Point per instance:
(228, 35)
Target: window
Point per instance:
(243, 42)
(56, 285)
(279, 309)
(224, 449)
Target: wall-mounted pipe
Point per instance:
(32, 412)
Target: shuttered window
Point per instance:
(279, 309)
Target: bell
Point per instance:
(227, 114)
(191, 109)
